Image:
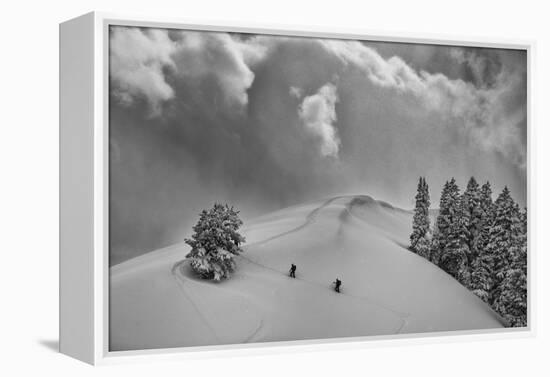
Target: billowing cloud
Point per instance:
(137, 61)
(201, 55)
(146, 62)
(264, 122)
(318, 114)
(476, 109)
(484, 65)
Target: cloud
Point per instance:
(317, 113)
(264, 122)
(137, 60)
(475, 109)
(202, 55)
(483, 65)
(147, 63)
(295, 92)
(151, 64)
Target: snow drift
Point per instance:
(156, 301)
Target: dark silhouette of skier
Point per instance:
(292, 271)
(337, 285)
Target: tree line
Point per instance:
(480, 242)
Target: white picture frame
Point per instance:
(84, 295)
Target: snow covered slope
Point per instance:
(156, 302)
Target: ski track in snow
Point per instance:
(181, 279)
(176, 273)
(401, 315)
(255, 332)
(348, 210)
(309, 220)
(260, 316)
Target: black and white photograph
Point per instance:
(276, 188)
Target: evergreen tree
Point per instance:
(480, 243)
(448, 246)
(454, 255)
(420, 235)
(474, 212)
(486, 198)
(481, 281)
(523, 222)
(504, 240)
(511, 301)
(482, 268)
(423, 247)
(441, 227)
(215, 241)
(487, 217)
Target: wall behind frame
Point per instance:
(30, 312)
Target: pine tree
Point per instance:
(441, 227)
(472, 198)
(482, 268)
(420, 235)
(454, 255)
(487, 217)
(480, 243)
(486, 197)
(423, 246)
(511, 301)
(449, 239)
(504, 240)
(481, 281)
(215, 241)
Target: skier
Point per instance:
(337, 285)
(292, 271)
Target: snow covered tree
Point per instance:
(441, 227)
(486, 197)
(472, 203)
(481, 282)
(423, 247)
(420, 236)
(453, 257)
(504, 241)
(511, 301)
(480, 243)
(487, 217)
(447, 248)
(215, 241)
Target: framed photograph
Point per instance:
(228, 188)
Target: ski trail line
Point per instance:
(310, 219)
(255, 332)
(403, 324)
(348, 210)
(180, 282)
(176, 272)
(363, 298)
(400, 315)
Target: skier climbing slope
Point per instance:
(292, 272)
(337, 285)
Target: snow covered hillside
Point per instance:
(156, 302)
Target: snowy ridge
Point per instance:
(156, 302)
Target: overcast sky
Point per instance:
(264, 122)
